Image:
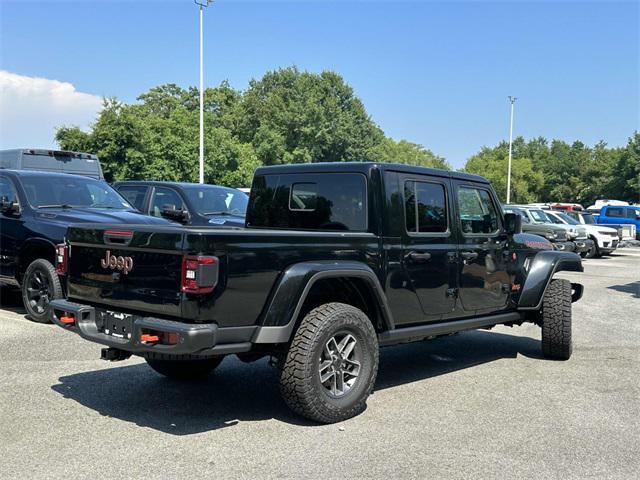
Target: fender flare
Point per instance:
(283, 307)
(543, 267)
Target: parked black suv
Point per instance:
(337, 260)
(35, 210)
(187, 203)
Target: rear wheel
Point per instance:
(187, 369)
(40, 285)
(331, 366)
(556, 321)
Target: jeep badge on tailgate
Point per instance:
(121, 263)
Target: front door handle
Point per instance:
(469, 255)
(418, 257)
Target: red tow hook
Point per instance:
(67, 319)
(145, 337)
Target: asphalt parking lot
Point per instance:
(476, 405)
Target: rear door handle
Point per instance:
(418, 257)
(469, 255)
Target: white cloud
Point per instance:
(31, 109)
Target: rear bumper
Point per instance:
(205, 339)
(565, 246)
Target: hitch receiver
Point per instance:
(114, 354)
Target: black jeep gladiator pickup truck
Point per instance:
(336, 260)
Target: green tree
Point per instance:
(390, 151)
(297, 117)
(492, 163)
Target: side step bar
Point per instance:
(409, 334)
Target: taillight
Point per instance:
(199, 274)
(62, 259)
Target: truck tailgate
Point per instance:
(125, 268)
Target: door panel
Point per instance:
(484, 281)
(429, 248)
(10, 227)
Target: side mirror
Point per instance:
(512, 223)
(172, 213)
(8, 207)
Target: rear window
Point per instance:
(327, 201)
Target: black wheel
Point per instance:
(593, 252)
(556, 320)
(40, 285)
(184, 369)
(332, 363)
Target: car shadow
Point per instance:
(11, 300)
(244, 393)
(633, 288)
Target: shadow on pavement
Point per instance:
(243, 393)
(11, 300)
(633, 288)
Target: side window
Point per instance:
(134, 194)
(164, 198)
(634, 214)
(477, 211)
(7, 190)
(425, 207)
(615, 212)
(310, 201)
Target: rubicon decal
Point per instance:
(125, 264)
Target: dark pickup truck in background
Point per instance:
(336, 260)
(187, 203)
(36, 208)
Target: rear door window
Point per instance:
(425, 207)
(135, 194)
(327, 201)
(8, 190)
(615, 212)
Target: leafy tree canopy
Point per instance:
(288, 116)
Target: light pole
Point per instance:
(202, 4)
(512, 100)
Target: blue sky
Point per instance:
(436, 73)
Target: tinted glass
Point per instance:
(567, 218)
(615, 212)
(632, 213)
(304, 197)
(7, 190)
(328, 201)
(164, 198)
(477, 212)
(134, 194)
(425, 207)
(213, 200)
(551, 218)
(538, 215)
(74, 191)
(588, 219)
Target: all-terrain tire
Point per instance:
(300, 384)
(186, 368)
(40, 285)
(556, 320)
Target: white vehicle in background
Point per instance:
(596, 207)
(605, 238)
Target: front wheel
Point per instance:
(40, 285)
(593, 252)
(187, 369)
(556, 320)
(331, 366)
